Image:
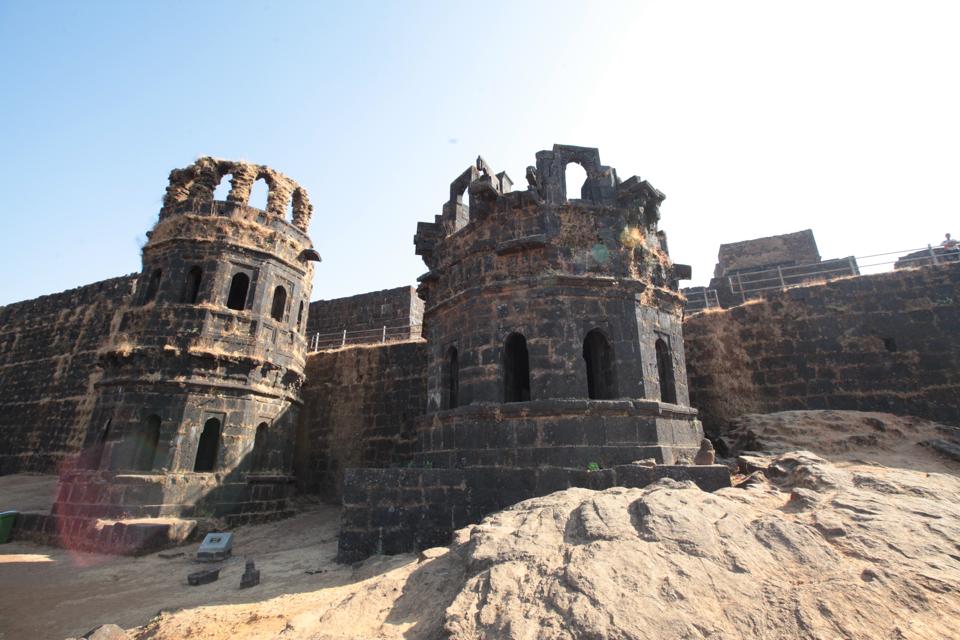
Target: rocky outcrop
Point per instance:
(815, 551)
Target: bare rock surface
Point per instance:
(851, 436)
(820, 552)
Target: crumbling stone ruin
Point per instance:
(196, 406)
(546, 347)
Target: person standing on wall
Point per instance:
(951, 249)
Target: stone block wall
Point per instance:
(364, 316)
(887, 342)
(789, 248)
(48, 356)
(399, 510)
(360, 406)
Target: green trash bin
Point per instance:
(7, 518)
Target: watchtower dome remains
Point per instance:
(196, 410)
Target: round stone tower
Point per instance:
(196, 408)
(553, 322)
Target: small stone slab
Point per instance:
(203, 577)
(215, 547)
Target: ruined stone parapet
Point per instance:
(191, 189)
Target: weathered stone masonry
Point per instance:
(360, 408)
(196, 409)
(48, 354)
(390, 314)
(554, 345)
(887, 342)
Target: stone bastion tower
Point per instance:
(553, 322)
(196, 408)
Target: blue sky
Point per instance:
(754, 118)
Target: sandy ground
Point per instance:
(882, 481)
(61, 593)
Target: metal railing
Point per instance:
(752, 285)
(702, 300)
(336, 339)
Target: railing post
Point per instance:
(783, 285)
(706, 302)
(716, 298)
(384, 338)
(933, 254)
(343, 343)
(743, 296)
(853, 265)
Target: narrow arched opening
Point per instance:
(222, 191)
(300, 317)
(575, 177)
(601, 372)
(93, 457)
(259, 193)
(145, 444)
(208, 446)
(260, 453)
(668, 387)
(516, 369)
(279, 305)
(451, 379)
(237, 299)
(153, 286)
(191, 289)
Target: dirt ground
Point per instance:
(56, 593)
(878, 466)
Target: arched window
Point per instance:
(601, 375)
(153, 285)
(668, 387)
(451, 379)
(191, 289)
(260, 453)
(208, 447)
(145, 444)
(300, 316)
(259, 193)
(279, 304)
(516, 369)
(238, 292)
(93, 457)
(223, 187)
(575, 177)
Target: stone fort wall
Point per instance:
(364, 317)
(48, 353)
(360, 407)
(886, 342)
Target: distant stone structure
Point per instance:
(195, 410)
(751, 268)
